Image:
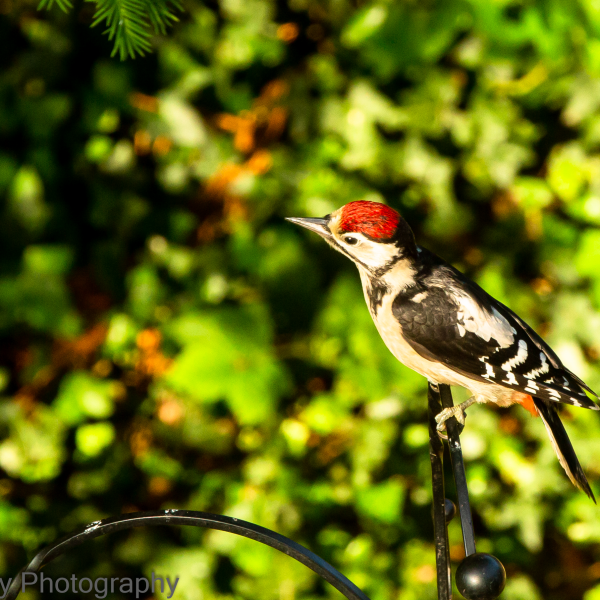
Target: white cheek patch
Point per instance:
(373, 254)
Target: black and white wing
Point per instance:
(449, 319)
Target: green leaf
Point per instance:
(382, 502)
(588, 255)
(364, 24)
(81, 396)
(26, 200)
(92, 439)
(227, 355)
(568, 171)
(34, 451)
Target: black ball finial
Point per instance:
(480, 576)
(450, 509)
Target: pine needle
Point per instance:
(64, 5)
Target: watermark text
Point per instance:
(101, 586)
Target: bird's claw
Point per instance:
(457, 412)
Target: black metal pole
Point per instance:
(479, 576)
(440, 530)
(458, 467)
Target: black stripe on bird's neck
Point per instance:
(378, 272)
(376, 291)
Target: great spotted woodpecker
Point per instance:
(444, 326)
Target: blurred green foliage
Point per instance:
(168, 340)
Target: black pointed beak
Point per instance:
(319, 226)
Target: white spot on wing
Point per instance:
(520, 358)
(511, 379)
(489, 370)
(543, 369)
(532, 386)
(419, 297)
(485, 324)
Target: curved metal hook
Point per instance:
(194, 519)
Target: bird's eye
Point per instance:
(351, 241)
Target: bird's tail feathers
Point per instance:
(562, 446)
(582, 383)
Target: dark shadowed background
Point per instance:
(168, 340)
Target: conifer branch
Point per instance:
(130, 23)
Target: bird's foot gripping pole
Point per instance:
(458, 412)
(479, 576)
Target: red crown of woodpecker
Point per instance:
(373, 219)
